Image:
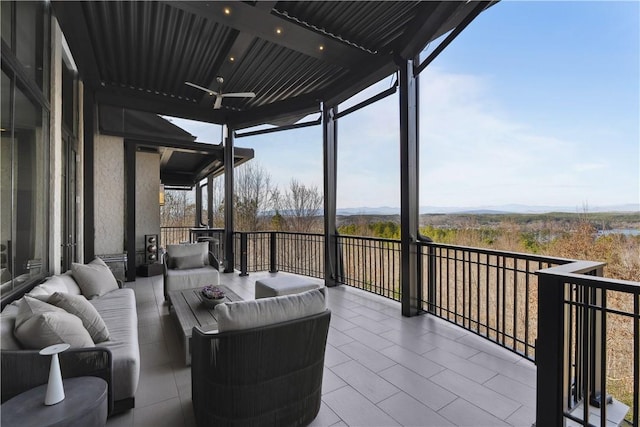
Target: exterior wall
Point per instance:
(55, 151)
(80, 177)
(109, 196)
(147, 199)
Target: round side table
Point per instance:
(85, 404)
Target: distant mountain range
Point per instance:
(502, 209)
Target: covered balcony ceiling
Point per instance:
(293, 55)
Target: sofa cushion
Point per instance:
(8, 339)
(118, 310)
(81, 307)
(191, 278)
(175, 251)
(188, 261)
(238, 315)
(39, 324)
(95, 279)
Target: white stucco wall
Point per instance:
(55, 152)
(109, 194)
(147, 199)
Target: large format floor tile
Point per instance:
(381, 369)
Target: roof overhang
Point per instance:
(295, 55)
(183, 162)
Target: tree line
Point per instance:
(259, 204)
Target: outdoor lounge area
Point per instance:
(420, 332)
(381, 369)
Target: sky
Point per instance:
(535, 103)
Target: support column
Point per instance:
(228, 201)
(409, 189)
(130, 149)
(332, 266)
(210, 201)
(88, 191)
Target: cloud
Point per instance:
(475, 149)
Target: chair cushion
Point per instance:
(188, 261)
(39, 324)
(95, 279)
(175, 251)
(239, 315)
(81, 307)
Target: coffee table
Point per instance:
(189, 311)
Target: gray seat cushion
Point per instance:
(118, 310)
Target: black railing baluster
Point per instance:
(636, 361)
(243, 254)
(273, 259)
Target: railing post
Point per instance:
(243, 254)
(431, 279)
(273, 256)
(551, 354)
(598, 319)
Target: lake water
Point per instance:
(625, 231)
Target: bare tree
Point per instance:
(300, 206)
(178, 209)
(253, 196)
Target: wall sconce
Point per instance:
(161, 194)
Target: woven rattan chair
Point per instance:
(266, 376)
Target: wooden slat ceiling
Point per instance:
(293, 54)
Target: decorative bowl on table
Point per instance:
(211, 296)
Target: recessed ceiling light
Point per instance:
(231, 59)
(278, 31)
(227, 10)
(321, 47)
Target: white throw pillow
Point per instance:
(238, 315)
(95, 279)
(81, 307)
(39, 325)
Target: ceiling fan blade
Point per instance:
(238, 95)
(218, 103)
(209, 91)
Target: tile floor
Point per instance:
(380, 369)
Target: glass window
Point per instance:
(5, 184)
(30, 41)
(24, 195)
(7, 17)
(23, 233)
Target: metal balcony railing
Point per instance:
(491, 293)
(173, 235)
(578, 360)
(556, 312)
(298, 253)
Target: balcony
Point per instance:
(468, 361)
(380, 368)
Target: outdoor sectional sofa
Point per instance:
(116, 359)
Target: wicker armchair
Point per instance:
(270, 375)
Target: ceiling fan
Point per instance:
(219, 95)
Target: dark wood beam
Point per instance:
(260, 23)
(73, 23)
